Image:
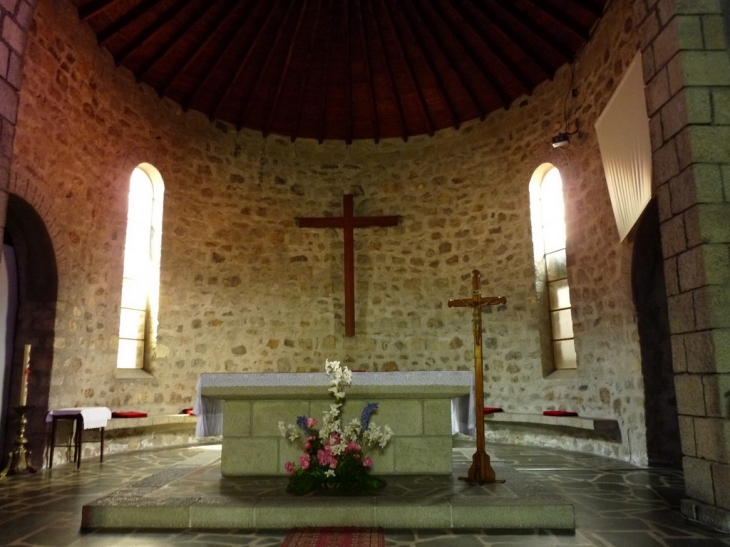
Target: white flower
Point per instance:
(289, 431)
(331, 366)
(332, 424)
(329, 473)
(339, 376)
(385, 438)
(353, 430)
(376, 436)
(339, 449)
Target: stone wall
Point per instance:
(244, 289)
(15, 18)
(687, 71)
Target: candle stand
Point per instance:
(18, 457)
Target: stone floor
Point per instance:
(615, 504)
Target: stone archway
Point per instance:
(647, 278)
(35, 324)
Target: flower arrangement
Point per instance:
(334, 456)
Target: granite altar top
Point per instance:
(397, 378)
(396, 385)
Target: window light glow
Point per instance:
(141, 270)
(551, 228)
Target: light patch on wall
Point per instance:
(623, 137)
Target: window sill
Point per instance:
(563, 374)
(133, 374)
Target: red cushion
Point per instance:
(129, 414)
(491, 409)
(559, 413)
(188, 411)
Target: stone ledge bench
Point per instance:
(602, 427)
(129, 434)
(154, 431)
(150, 421)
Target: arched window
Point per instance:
(548, 220)
(141, 281)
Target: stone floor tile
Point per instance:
(615, 503)
(628, 539)
(696, 542)
(611, 523)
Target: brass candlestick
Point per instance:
(19, 456)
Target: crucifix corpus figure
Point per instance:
(481, 471)
(348, 222)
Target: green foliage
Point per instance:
(354, 482)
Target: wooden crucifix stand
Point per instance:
(348, 222)
(481, 471)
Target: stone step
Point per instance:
(264, 514)
(197, 497)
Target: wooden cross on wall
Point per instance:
(348, 222)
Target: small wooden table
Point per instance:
(89, 417)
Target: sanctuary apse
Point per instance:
(242, 289)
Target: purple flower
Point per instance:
(302, 422)
(366, 412)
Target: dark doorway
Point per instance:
(650, 299)
(37, 291)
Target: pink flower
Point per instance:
(326, 458)
(311, 422)
(356, 456)
(367, 462)
(353, 447)
(307, 446)
(304, 461)
(289, 467)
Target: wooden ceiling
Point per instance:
(342, 69)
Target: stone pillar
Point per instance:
(687, 72)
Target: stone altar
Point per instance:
(246, 408)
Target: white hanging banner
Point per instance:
(623, 138)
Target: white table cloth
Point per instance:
(94, 416)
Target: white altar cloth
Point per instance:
(94, 416)
(210, 410)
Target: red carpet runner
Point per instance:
(335, 537)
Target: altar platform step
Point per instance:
(193, 495)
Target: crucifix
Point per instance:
(348, 222)
(481, 471)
